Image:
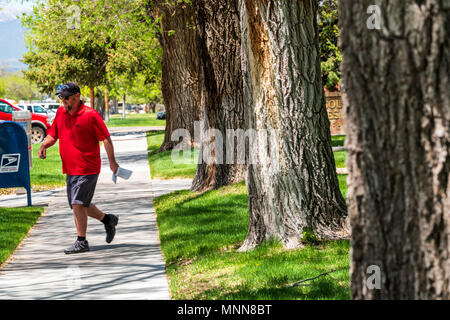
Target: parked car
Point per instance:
(39, 123)
(52, 106)
(39, 109)
(161, 115)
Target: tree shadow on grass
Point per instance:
(320, 289)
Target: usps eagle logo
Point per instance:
(10, 163)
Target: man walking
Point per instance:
(79, 129)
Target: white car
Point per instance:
(39, 109)
(52, 106)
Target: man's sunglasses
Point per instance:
(65, 98)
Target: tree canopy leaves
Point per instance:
(331, 57)
(93, 43)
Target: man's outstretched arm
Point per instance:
(48, 142)
(109, 148)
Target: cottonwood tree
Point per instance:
(297, 187)
(86, 40)
(63, 47)
(396, 72)
(180, 68)
(221, 95)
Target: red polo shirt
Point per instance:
(79, 135)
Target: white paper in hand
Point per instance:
(122, 173)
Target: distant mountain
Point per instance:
(12, 44)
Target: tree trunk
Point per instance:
(115, 104)
(179, 83)
(292, 185)
(99, 103)
(106, 106)
(396, 77)
(222, 107)
(91, 96)
(124, 105)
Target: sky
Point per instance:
(12, 44)
(12, 8)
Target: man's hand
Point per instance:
(114, 166)
(110, 152)
(48, 142)
(42, 153)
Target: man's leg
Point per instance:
(93, 212)
(80, 216)
(81, 245)
(79, 191)
(109, 220)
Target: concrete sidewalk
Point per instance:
(131, 267)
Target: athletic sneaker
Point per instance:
(110, 228)
(78, 247)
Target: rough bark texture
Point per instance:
(222, 106)
(398, 138)
(180, 80)
(99, 102)
(298, 188)
(91, 96)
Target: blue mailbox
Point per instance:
(14, 161)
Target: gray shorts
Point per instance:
(80, 189)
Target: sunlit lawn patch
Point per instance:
(135, 120)
(200, 234)
(14, 225)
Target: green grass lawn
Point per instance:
(339, 158)
(162, 166)
(135, 120)
(200, 234)
(338, 141)
(154, 140)
(47, 174)
(14, 225)
(342, 178)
